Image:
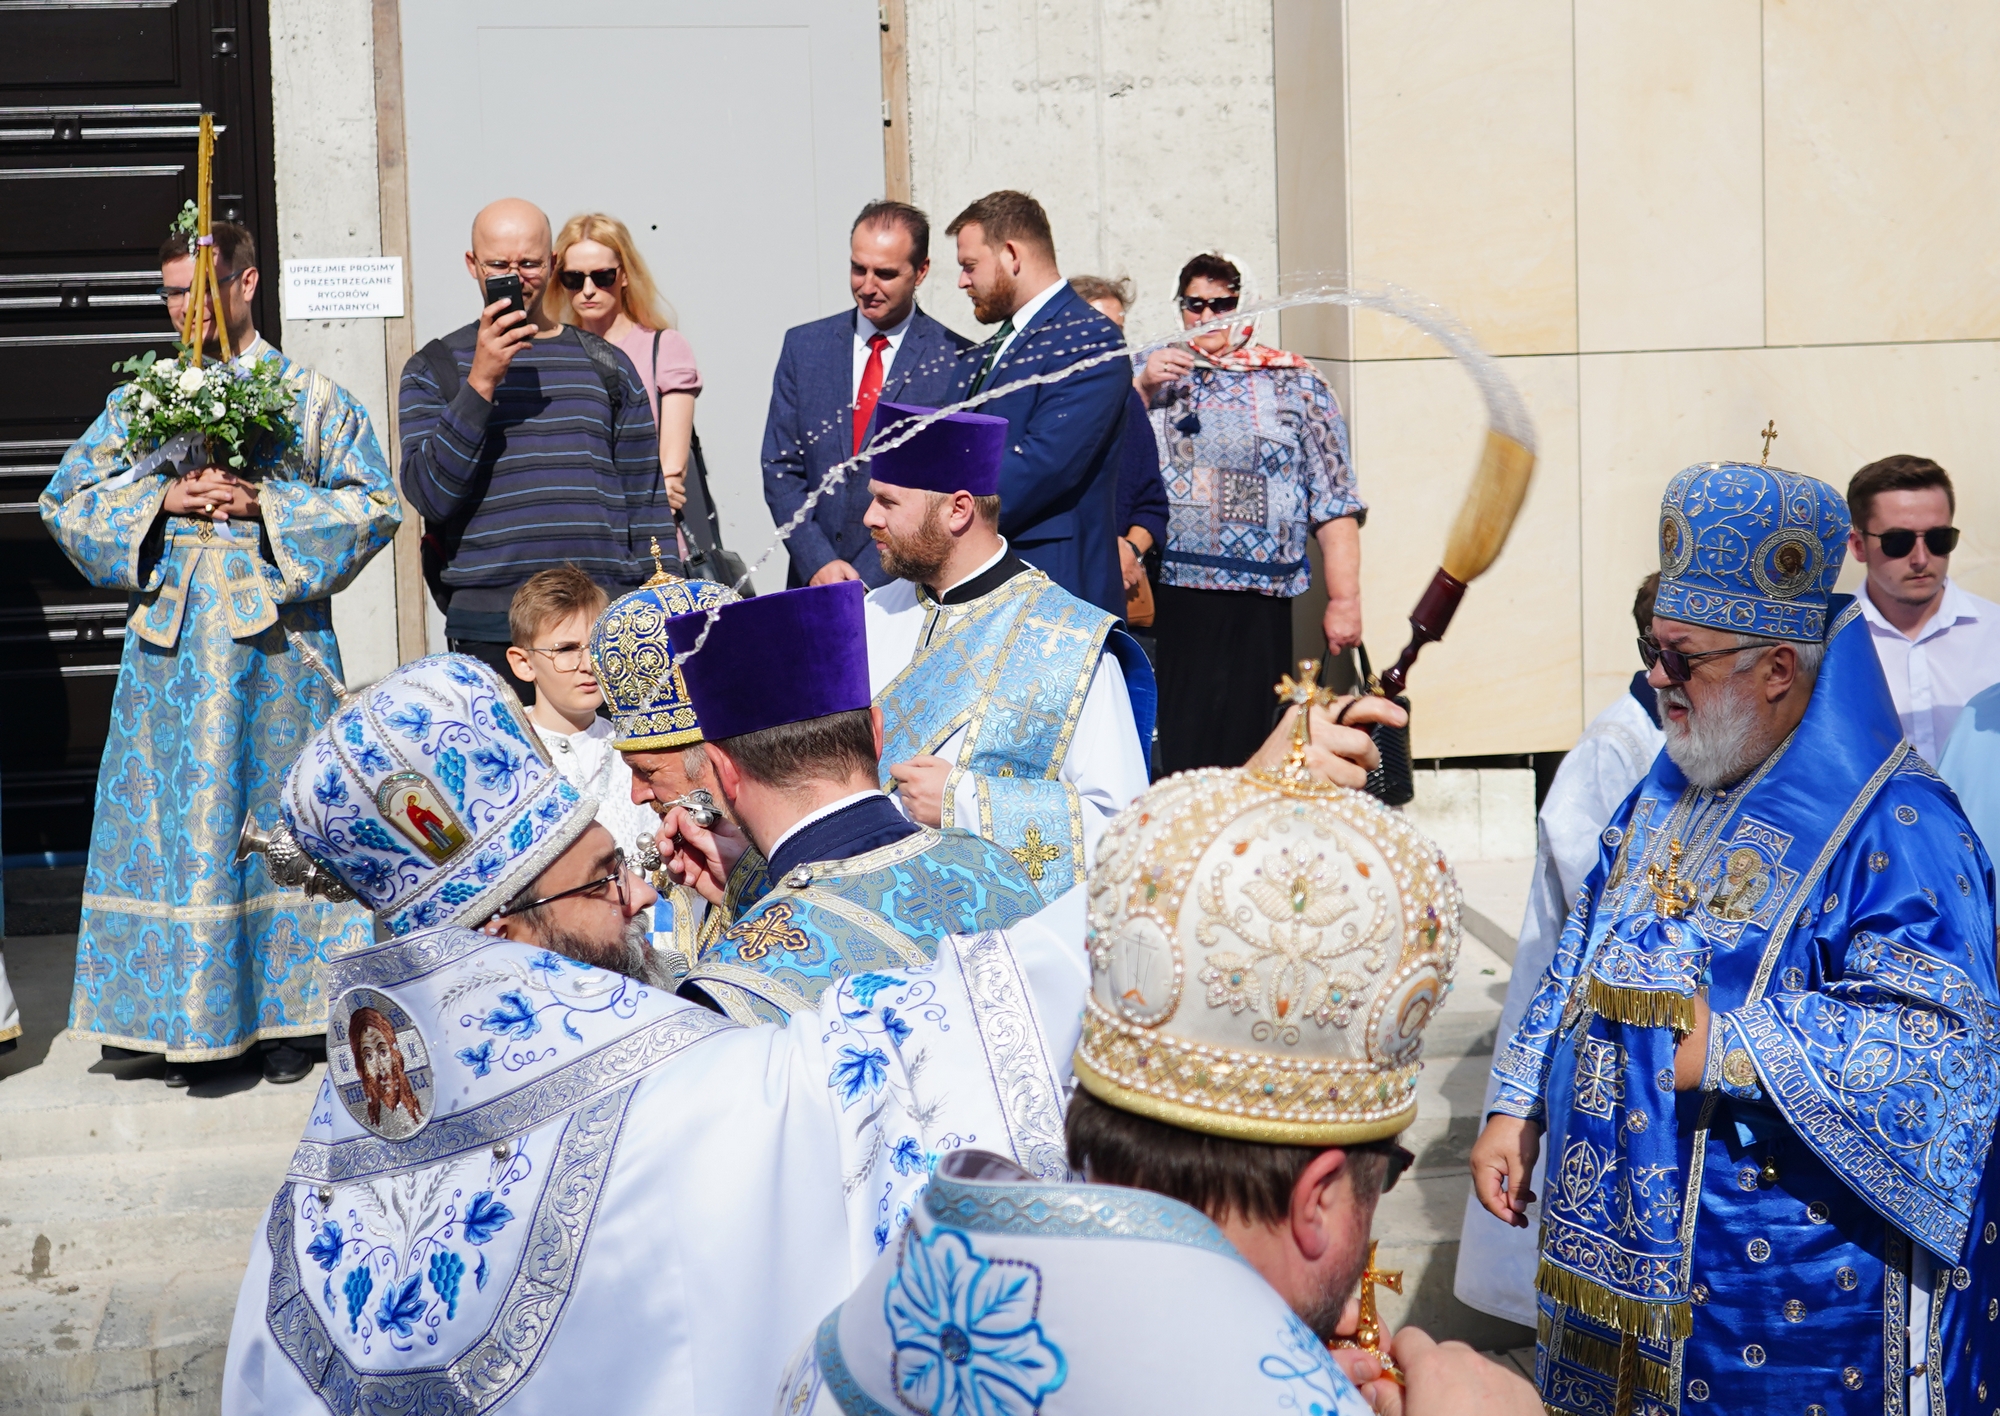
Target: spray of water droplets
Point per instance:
(1505, 412)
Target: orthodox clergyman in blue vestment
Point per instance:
(1010, 707)
(182, 950)
(1764, 1058)
(779, 685)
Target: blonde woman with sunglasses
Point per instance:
(602, 285)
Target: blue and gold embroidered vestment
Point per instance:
(1831, 1230)
(181, 950)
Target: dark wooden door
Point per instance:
(99, 111)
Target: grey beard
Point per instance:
(632, 955)
(1714, 745)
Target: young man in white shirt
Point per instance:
(1939, 644)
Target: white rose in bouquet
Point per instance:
(147, 403)
(215, 411)
(190, 380)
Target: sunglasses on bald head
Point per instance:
(1897, 543)
(606, 279)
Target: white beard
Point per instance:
(1714, 745)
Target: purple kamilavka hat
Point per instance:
(776, 659)
(960, 452)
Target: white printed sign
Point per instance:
(344, 288)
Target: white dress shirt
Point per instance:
(1931, 677)
(1026, 313)
(864, 330)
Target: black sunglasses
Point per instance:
(1221, 304)
(1399, 1159)
(1939, 541)
(606, 279)
(1679, 666)
(616, 880)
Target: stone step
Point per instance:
(75, 1104)
(64, 1216)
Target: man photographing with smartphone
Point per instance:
(526, 444)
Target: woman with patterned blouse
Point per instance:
(1255, 460)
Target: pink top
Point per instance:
(676, 373)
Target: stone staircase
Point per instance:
(127, 1210)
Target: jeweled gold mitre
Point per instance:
(1265, 953)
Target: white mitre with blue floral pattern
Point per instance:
(429, 796)
(1012, 1296)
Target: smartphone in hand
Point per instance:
(505, 287)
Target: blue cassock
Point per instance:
(183, 949)
(1820, 1226)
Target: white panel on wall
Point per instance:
(736, 144)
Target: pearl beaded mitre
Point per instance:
(1265, 953)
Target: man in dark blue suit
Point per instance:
(830, 377)
(1059, 482)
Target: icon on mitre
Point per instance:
(410, 804)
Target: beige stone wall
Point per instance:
(323, 122)
(1144, 128)
(1673, 223)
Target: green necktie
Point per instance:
(993, 355)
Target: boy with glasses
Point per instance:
(527, 444)
(549, 622)
(1939, 645)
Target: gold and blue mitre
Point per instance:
(641, 682)
(1750, 549)
(428, 796)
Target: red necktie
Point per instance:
(870, 391)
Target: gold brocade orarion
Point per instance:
(1656, 1322)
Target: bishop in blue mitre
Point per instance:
(849, 884)
(534, 1179)
(1766, 1058)
(182, 949)
(1010, 707)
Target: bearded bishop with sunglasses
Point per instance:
(1766, 1058)
(535, 1179)
(182, 950)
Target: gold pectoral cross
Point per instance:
(1034, 853)
(1368, 1334)
(1672, 896)
(1303, 692)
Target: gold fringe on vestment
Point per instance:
(1657, 1322)
(1642, 1007)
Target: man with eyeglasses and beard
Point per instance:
(527, 445)
(1939, 643)
(1765, 1054)
(588, 1193)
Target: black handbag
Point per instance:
(1393, 783)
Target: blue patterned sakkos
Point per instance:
(884, 909)
(1815, 1226)
(181, 950)
(1012, 668)
(1254, 459)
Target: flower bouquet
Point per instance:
(218, 412)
